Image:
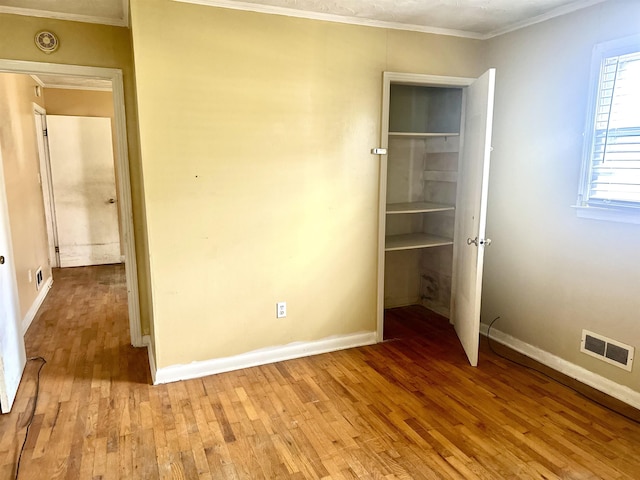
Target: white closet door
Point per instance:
(84, 190)
(471, 206)
(12, 352)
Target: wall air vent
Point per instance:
(607, 350)
(38, 278)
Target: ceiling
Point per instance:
(108, 12)
(466, 18)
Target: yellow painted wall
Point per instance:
(21, 165)
(98, 46)
(549, 274)
(85, 103)
(259, 185)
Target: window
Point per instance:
(610, 187)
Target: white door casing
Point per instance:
(40, 118)
(124, 183)
(12, 350)
(84, 190)
(471, 209)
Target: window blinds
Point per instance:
(615, 153)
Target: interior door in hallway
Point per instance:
(84, 190)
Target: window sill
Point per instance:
(622, 215)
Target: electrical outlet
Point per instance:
(281, 309)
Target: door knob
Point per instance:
(483, 241)
(1, 260)
(112, 200)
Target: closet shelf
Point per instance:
(411, 241)
(423, 134)
(440, 176)
(417, 207)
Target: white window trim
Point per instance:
(619, 46)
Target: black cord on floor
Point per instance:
(33, 412)
(582, 394)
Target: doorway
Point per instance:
(434, 169)
(79, 188)
(125, 208)
(124, 204)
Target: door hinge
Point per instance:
(45, 132)
(57, 249)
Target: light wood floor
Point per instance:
(407, 408)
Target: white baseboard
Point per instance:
(263, 356)
(146, 341)
(33, 311)
(621, 392)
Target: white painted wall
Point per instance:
(548, 273)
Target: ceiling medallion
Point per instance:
(47, 41)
